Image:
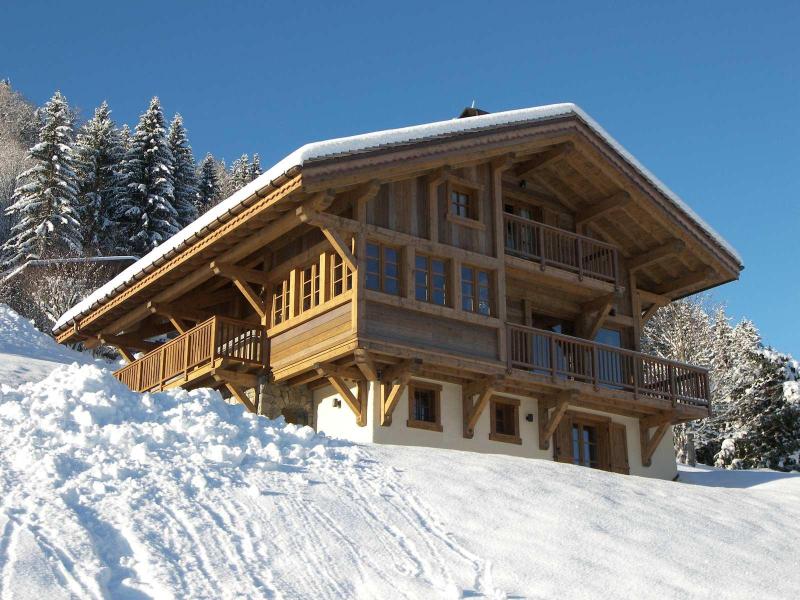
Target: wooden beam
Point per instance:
(390, 396)
(129, 341)
(365, 363)
(691, 279)
(542, 159)
(648, 442)
(651, 256)
(126, 354)
(245, 380)
(549, 424)
(483, 389)
(395, 371)
(651, 298)
(594, 314)
(236, 272)
(341, 247)
(172, 311)
(179, 325)
(648, 314)
(601, 208)
(239, 394)
(327, 369)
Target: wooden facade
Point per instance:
(515, 261)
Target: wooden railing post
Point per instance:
(553, 356)
(672, 384)
(638, 363)
(139, 377)
(213, 354)
(580, 259)
(162, 363)
(595, 367)
(540, 234)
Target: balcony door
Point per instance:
(609, 363)
(521, 238)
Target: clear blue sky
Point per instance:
(705, 94)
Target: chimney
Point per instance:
(472, 111)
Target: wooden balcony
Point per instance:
(554, 247)
(565, 358)
(219, 342)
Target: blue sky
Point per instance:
(705, 94)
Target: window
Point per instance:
(461, 204)
(476, 290)
(341, 279)
(309, 284)
(430, 280)
(505, 420)
(383, 268)
(281, 299)
(424, 406)
(585, 445)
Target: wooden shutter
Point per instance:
(562, 440)
(619, 449)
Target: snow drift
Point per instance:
(105, 493)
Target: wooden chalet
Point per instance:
(479, 283)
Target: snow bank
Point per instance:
(27, 354)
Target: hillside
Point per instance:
(105, 493)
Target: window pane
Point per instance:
(372, 251)
(392, 286)
(421, 262)
(437, 266)
(373, 281)
(483, 278)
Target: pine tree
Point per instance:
(208, 186)
(45, 198)
(255, 167)
(185, 179)
(145, 212)
(764, 423)
(99, 154)
(239, 175)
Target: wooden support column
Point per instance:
(390, 396)
(365, 364)
(636, 311)
(548, 423)
(471, 410)
(649, 442)
(499, 167)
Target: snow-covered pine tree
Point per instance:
(125, 137)
(239, 175)
(184, 177)
(46, 196)
(208, 189)
(764, 420)
(99, 155)
(255, 167)
(145, 212)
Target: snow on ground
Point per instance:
(27, 354)
(105, 493)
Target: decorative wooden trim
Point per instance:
(428, 425)
(504, 437)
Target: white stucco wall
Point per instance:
(340, 422)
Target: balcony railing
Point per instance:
(569, 358)
(551, 246)
(218, 337)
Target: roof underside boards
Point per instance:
(284, 170)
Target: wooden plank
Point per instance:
(542, 159)
(691, 279)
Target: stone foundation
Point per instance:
(294, 404)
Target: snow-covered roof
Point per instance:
(347, 145)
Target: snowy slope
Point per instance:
(27, 354)
(105, 493)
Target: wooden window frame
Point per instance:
(427, 425)
(473, 192)
(429, 277)
(340, 273)
(382, 277)
(476, 287)
(309, 288)
(281, 302)
(504, 437)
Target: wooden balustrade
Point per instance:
(551, 246)
(564, 357)
(216, 338)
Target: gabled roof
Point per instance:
(333, 148)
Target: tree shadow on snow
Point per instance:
(724, 478)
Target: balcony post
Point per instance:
(580, 259)
(595, 367)
(138, 376)
(162, 365)
(213, 336)
(553, 357)
(672, 384)
(615, 258)
(540, 234)
(185, 356)
(637, 361)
